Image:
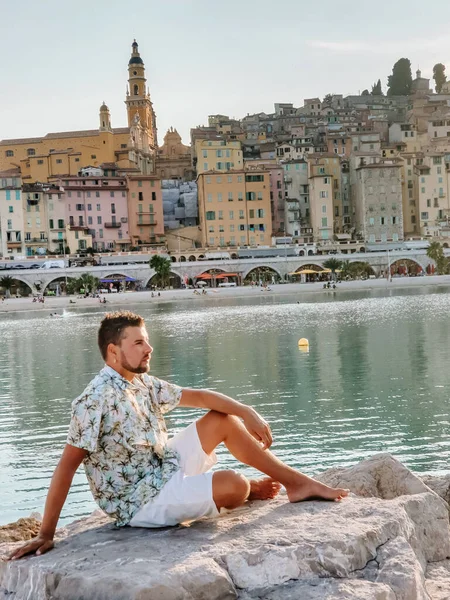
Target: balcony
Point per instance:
(36, 241)
(112, 225)
(147, 222)
(58, 241)
(14, 245)
(32, 202)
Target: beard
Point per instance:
(139, 369)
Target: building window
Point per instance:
(230, 196)
(324, 194)
(209, 198)
(100, 233)
(9, 153)
(111, 193)
(31, 152)
(11, 208)
(424, 216)
(239, 178)
(113, 209)
(260, 213)
(241, 214)
(89, 220)
(60, 223)
(153, 196)
(208, 179)
(324, 222)
(240, 196)
(99, 220)
(58, 161)
(97, 194)
(210, 215)
(219, 196)
(250, 196)
(382, 220)
(205, 153)
(93, 156)
(205, 166)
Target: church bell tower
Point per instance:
(138, 97)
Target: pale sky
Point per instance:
(62, 59)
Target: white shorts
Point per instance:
(187, 496)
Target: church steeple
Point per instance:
(138, 98)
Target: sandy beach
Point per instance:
(116, 301)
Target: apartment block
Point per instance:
(434, 194)
(218, 155)
(145, 210)
(234, 208)
(379, 212)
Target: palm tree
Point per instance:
(6, 283)
(162, 266)
(88, 282)
(333, 264)
(436, 253)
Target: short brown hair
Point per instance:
(113, 326)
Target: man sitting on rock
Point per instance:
(137, 475)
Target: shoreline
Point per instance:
(13, 305)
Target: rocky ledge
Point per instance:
(391, 542)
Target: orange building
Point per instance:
(234, 208)
(145, 210)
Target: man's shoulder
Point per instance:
(97, 391)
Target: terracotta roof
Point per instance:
(61, 135)
(20, 141)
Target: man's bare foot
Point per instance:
(312, 489)
(264, 489)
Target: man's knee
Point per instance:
(230, 489)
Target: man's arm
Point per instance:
(59, 488)
(210, 400)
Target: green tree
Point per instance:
(439, 76)
(399, 83)
(6, 283)
(356, 270)
(436, 253)
(365, 93)
(87, 282)
(377, 90)
(162, 266)
(334, 264)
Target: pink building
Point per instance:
(99, 204)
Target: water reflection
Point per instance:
(375, 379)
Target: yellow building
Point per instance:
(65, 153)
(218, 155)
(321, 202)
(174, 160)
(234, 208)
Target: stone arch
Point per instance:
(16, 287)
(174, 280)
(173, 259)
(209, 272)
(53, 279)
(192, 258)
(182, 259)
(114, 274)
(311, 266)
(406, 266)
(362, 249)
(265, 272)
(234, 256)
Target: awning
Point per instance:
(218, 276)
(308, 272)
(117, 280)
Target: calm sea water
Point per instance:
(376, 378)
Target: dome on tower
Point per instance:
(135, 58)
(103, 107)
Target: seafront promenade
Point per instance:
(120, 300)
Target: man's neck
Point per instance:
(128, 375)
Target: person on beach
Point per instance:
(137, 475)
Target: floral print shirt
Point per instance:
(121, 425)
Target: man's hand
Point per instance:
(258, 428)
(39, 545)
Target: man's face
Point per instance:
(134, 350)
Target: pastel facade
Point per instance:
(145, 211)
(433, 184)
(174, 160)
(234, 208)
(218, 155)
(11, 214)
(379, 212)
(97, 206)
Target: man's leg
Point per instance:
(216, 427)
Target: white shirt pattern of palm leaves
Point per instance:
(121, 425)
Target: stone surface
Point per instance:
(381, 476)
(23, 529)
(367, 547)
(439, 484)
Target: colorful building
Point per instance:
(218, 155)
(145, 211)
(235, 208)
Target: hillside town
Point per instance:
(370, 170)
